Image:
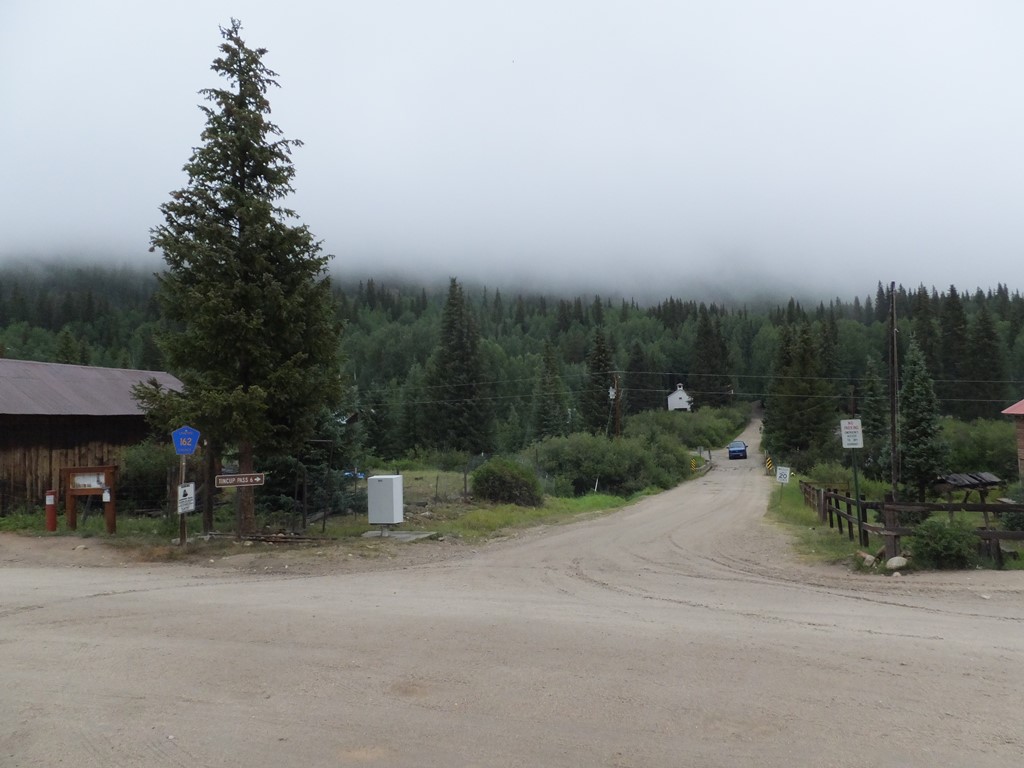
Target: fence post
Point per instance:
(849, 521)
(862, 518)
(892, 541)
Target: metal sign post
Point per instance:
(782, 478)
(853, 438)
(185, 441)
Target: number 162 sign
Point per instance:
(185, 440)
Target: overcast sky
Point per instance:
(665, 148)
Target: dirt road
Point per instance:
(676, 632)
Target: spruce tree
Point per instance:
(644, 389)
(710, 379)
(986, 363)
(926, 330)
(801, 408)
(550, 402)
(874, 415)
(252, 333)
(595, 404)
(460, 408)
(953, 355)
(922, 451)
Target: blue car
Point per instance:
(737, 449)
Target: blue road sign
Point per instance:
(185, 440)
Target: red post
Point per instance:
(51, 510)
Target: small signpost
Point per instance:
(234, 481)
(186, 498)
(186, 440)
(853, 434)
(853, 438)
(782, 478)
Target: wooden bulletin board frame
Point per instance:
(91, 481)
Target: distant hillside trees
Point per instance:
(710, 379)
(801, 408)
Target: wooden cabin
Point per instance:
(55, 416)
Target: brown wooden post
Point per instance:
(862, 518)
(892, 541)
(110, 512)
(849, 513)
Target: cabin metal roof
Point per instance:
(1017, 409)
(28, 388)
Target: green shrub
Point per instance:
(145, 471)
(620, 467)
(1012, 521)
(938, 544)
(704, 428)
(505, 482)
(830, 474)
(560, 487)
(983, 445)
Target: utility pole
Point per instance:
(893, 391)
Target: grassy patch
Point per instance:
(482, 520)
(813, 541)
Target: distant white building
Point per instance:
(679, 400)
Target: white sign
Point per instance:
(853, 435)
(186, 498)
(782, 474)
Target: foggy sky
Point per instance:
(659, 148)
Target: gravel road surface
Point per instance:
(677, 632)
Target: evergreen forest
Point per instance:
(476, 369)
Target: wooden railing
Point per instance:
(841, 511)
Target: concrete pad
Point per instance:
(400, 535)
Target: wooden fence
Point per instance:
(843, 512)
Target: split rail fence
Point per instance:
(841, 512)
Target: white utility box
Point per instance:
(384, 499)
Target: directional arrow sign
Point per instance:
(231, 481)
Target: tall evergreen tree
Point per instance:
(415, 427)
(595, 405)
(801, 407)
(550, 401)
(710, 379)
(460, 406)
(953, 355)
(922, 451)
(828, 352)
(926, 331)
(252, 330)
(874, 415)
(645, 390)
(987, 365)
